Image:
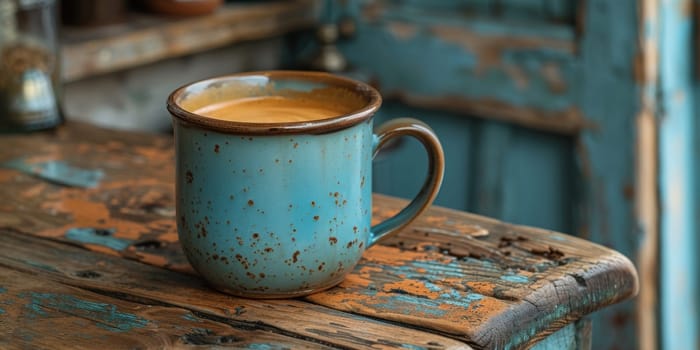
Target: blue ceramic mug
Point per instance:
(283, 209)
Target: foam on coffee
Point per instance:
(271, 109)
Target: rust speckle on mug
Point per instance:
(251, 203)
(313, 203)
(295, 256)
(189, 177)
(336, 194)
(256, 235)
(296, 144)
(354, 229)
(242, 260)
(362, 182)
(333, 240)
(350, 244)
(316, 217)
(250, 274)
(361, 245)
(262, 275)
(320, 267)
(216, 148)
(224, 260)
(269, 250)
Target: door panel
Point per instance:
(400, 170)
(536, 104)
(539, 181)
(492, 168)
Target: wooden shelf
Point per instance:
(147, 38)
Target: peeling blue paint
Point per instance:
(3, 290)
(409, 305)
(412, 347)
(519, 338)
(452, 294)
(97, 236)
(2, 311)
(459, 72)
(559, 237)
(563, 339)
(261, 346)
(515, 278)
(432, 286)
(465, 301)
(190, 317)
(58, 172)
(40, 265)
(104, 315)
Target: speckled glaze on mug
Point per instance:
(277, 210)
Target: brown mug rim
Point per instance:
(319, 126)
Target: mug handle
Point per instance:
(436, 169)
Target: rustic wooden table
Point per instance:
(89, 259)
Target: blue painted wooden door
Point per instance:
(549, 112)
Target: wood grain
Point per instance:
(41, 314)
(149, 285)
(146, 39)
(449, 275)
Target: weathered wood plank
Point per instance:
(148, 285)
(479, 280)
(40, 314)
(146, 39)
(647, 173)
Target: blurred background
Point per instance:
(572, 115)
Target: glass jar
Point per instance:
(29, 66)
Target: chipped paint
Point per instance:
(104, 315)
(510, 72)
(40, 266)
(677, 179)
(58, 172)
(190, 317)
(261, 346)
(102, 237)
(515, 278)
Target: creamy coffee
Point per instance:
(271, 109)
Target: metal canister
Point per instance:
(29, 66)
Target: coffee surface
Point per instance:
(271, 109)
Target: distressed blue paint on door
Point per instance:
(537, 104)
(678, 185)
